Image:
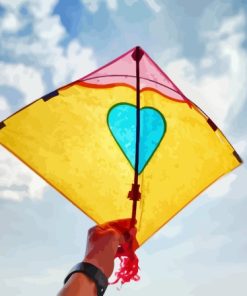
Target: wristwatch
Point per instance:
(94, 273)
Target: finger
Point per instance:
(92, 229)
(119, 221)
(122, 225)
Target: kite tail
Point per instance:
(129, 264)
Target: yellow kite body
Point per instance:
(67, 141)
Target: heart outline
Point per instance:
(161, 116)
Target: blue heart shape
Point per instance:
(122, 124)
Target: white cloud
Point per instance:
(170, 230)
(41, 9)
(230, 26)
(23, 78)
(217, 82)
(37, 8)
(49, 31)
(4, 108)
(17, 181)
(39, 52)
(190, 267)
(11, 4)
(66, 64)
(92, 6)
(241, 146)
(226, 283)
(49, 281)
(76, 62)
(10, 23)
(131, 2)
(43, 49)
(153, 5)
(112, 4)
(222, 186)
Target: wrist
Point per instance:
(105, 267)
(83, 280)
(92, 272)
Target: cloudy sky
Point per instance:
(202, 46)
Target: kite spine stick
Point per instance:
(134, 194)
(128, 260)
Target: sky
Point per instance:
(202, 46)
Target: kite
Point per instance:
(123, 141)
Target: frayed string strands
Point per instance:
(129, 264)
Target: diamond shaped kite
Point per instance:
(121, 142)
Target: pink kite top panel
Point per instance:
(123, 71)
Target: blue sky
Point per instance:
(202, 45)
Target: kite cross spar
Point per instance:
(127, 115)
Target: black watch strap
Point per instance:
(93, 273)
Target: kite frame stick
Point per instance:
(135, 188)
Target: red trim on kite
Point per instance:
(92, 85)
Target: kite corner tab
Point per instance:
(2, 124)
(212, 124)
(50, 95)
(137, 54)
(134, 194)
(237, 156)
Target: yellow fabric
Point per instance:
(66, 140)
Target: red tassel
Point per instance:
(129, 266)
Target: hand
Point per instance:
(104, 240)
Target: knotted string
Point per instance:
(129, 262)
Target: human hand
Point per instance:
(104, 240)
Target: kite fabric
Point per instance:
(82, 140)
